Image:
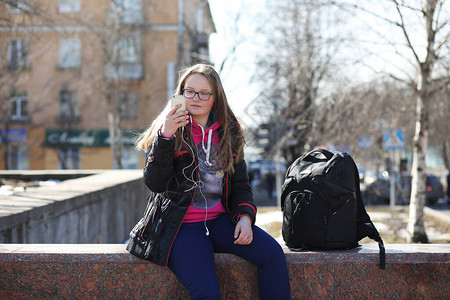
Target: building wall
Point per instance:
(96, 157)
(37, 152)
(44, 79)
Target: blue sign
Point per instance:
(393, 140)
(365, 142)
(16, 136)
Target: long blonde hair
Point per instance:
(230, 133)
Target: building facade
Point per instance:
(73, 72)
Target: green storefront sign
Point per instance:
(86, 138)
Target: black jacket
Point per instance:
(152, 237)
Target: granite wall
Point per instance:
(109, 272)
(99, 208)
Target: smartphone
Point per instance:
(179, 99)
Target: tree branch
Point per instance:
(405, 33)
(443, 41)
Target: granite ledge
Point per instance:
(103, 271)
(366, 253)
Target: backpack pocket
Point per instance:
(342, 229)
(304, 220)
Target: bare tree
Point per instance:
(11, 66)
(11, 75)
(120, 37)
(355, 111)
(424, 46)
(416, 227)
(14, 63)
(301, 56)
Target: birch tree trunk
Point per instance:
(115, 135)
(112, 32)
(416, 226)
(114, 125)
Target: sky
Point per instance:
(237, 73)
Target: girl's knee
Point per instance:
(273, 248)
(207, 292)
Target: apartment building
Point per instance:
(70, 68)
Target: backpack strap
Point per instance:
(365, 225)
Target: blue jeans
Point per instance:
(192, 258)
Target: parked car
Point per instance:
(368, 176)
(379, 190)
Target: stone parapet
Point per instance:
(100, 208)
(107, 271)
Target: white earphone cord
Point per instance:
(198, 183)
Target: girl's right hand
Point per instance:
(174, 121)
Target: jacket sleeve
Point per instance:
(159, 165)
(241, 197)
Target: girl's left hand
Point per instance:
(243, 232)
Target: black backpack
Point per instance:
(322, 204)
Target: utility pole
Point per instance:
(180, 32)
(277, 152)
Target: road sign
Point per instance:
(365, 142)
(393, 140)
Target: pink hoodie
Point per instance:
(206, 204)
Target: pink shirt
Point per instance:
(196, 215)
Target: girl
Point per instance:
(201, 201)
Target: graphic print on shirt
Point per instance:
(211, 178)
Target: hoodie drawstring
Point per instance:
(208, 148)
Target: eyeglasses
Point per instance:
(201, 95)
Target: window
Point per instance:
(18, 157)
(130, 158)
(128, 105)
(69, 158)
(69, 108)
(18, 107)
(67, 6)
(127, 50)
(17, 53)
(126, 61)
(128, 10)
(69, 53)
(16, 6)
